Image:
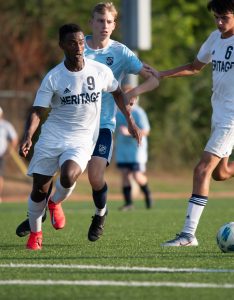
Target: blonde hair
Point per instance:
(101, 7)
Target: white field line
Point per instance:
(117, 283)
(116, 268)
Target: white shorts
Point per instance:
(221, 141)
(48, 160)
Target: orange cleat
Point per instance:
(57, 216)
(35, 241)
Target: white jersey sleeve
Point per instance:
(45, 92)
(110, 83)
(205, 53)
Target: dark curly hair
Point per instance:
(221, 6)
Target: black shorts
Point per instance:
(132, 166)
(2, 164)
(104, 145)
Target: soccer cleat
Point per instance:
(24, 228)
(182, 240)
(126, 207)
(148, 203)
(96, 228)
(35, 241)
(57, 216)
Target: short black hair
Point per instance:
(221, 6)
(68, 28)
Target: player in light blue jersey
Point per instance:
(130, 157)
(122, 61)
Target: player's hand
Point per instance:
(131, 97)
(124, 131)
(25, 147)
(135, 132)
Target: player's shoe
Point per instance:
(148, 203)
(57, 216)
(96, 228)
(182, 240)
(35, 241)
(126, 207)
(24, 228)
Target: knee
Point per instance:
(201, 171)
(38, 195)
(68, 179)
(96, 180)
(220, 175)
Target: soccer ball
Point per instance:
(225, 237)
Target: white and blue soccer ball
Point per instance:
(225, 237)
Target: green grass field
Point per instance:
(131, 239)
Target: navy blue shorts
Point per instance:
(132, 166)
(104, 145)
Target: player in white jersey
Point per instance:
(8, 137)
(122, 61)
(218, 50)
(73, 90)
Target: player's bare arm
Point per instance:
(150, 83)
(32, 124)
(124, 104)
(185, 70)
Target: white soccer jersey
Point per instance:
(75, 101)
(7, 134)
(220, 52)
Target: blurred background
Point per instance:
(179, 110)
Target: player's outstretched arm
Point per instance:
(150, 83)
(31, 126)
(124, 104)
(185, 70)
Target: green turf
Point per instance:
(130, 239)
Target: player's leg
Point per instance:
(142, 181)
(96, 173)
(197, 202)
(1, 176)
(1, 187)
(64, 186)
(23, 228)
(36, 209)
(126, 186)
(224, 170)
(219, 145)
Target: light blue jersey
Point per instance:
(122, 61)
(127, 150)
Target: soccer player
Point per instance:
(122, 61)
(130, 157)
(8, 137)
(218, 50)
(73, 90)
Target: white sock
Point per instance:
(100, 211)
(35, 212)
(194, 212)
(61, 193)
